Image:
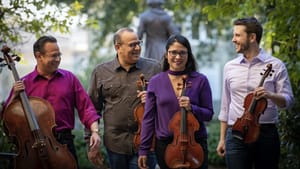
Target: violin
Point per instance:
(139, 113)
(30, 121)
(184, 151)
(247, 127)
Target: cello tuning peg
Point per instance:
(16, 58)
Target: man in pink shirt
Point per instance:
(63, 91)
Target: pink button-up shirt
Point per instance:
(65, 93)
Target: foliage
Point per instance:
(5, 146)
(33, 16)
(213, 128)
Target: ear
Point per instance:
(253, 37)
(37, 55)
(117, 46)
(166, 55)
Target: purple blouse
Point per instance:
(65, 93)
(162, 103)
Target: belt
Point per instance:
(261, 125)
(63, 134)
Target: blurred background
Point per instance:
(84, 30)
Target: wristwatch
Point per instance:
(95, 130)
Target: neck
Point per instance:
(176, 73)
(44, 73)
(250, 54)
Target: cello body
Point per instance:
(184, 151)
(56, 156)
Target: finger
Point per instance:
(144, 163)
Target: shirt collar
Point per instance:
(116, 64)
(36, 74)
(261, 57)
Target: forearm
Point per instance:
(94, 127)
(277, 99)
(223, 127)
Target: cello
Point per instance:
(247, 127)
(184, 151)
(139, 113)
(30, 120)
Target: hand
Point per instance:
(261, 92)
(142, 162)
(95, 140)
(94, 153)
(221, 148)
(18, 86)
(142, 95)
(184, 101)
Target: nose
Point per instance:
(233, 39)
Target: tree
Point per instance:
(33, 16)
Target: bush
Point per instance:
(213, 129)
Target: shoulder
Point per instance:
(158, 77)
(65, 72)
(104, 65)
(197, 76)
(148, 63)
(276, 62)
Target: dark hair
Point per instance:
(252, 26)
(117, 36)
(40, 43)
(191, 64)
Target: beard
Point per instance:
(243, 47)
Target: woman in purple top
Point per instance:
(164, 100)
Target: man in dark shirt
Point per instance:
(113, 90)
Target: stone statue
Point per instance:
(158, 26)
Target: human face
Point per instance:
(49, 61)
(129, 49)
(240, 39)
(177, 56)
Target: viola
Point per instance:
(30, 121)
(139, 113)
(184, 151)
(247, 127)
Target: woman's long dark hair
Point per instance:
(191, 64)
